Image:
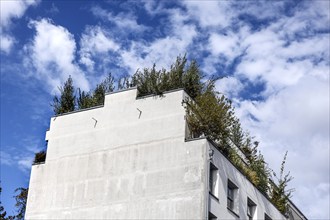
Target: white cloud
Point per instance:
(161, 51)
(13, 9)
(6, 43)
(10, 10)
(210, 13)
(227, 45)
(52, 54)
(269, 57)
(25, 163)
(306, 21)
(229, 86)
(259, 9)
(314, 47)
(295, 119)
(95, 42)
(125, 22)
(320, 193)
(5, 158)
(154, 8)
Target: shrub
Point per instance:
(40, 157)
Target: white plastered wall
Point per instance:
(112, 162)
(246, 190)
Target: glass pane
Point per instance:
(231, 193)
(230, 204)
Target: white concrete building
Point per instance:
(129, 159)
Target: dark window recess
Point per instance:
(251, 207)
(213, 180)
(267, 217)
(212, 217)
(231, 193)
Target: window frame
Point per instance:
(267, 217)
(212, 216)
(214, 180)
(251, 207)
(232, 191)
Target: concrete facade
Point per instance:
(129, 159)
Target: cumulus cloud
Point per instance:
(9, 11)
(210, 13)
(126, 22)
(6, 43)
(52, 54)
(13, 9)
(229, 86)
(295, 119)
(95, 42)
(279, 62)
(139, 53)
(220, 44)
(5, 158)
(162, 51)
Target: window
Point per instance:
(231, 195)
(251, 207)
(214, 180)
(267, 217)
(212, 217)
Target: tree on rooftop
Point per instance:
(279, 193)
(66, 101)
(152, 81)
(84, 100)
(209, 113)
(212, 115)
(39, 157)
(107, 85)
(95, 98)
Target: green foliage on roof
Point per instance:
(66, 101)
(209, 114)
(39, 157)
(151, 81)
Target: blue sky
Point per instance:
(275, 55)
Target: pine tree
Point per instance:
(107, 85)
(66, 102)
(84, 100)
(236, 133)
(96, 98)
(192, 80)
(212, 115)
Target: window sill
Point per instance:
(213, 196)
(232, 211)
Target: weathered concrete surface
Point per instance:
(113, 163)
(129, 160)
